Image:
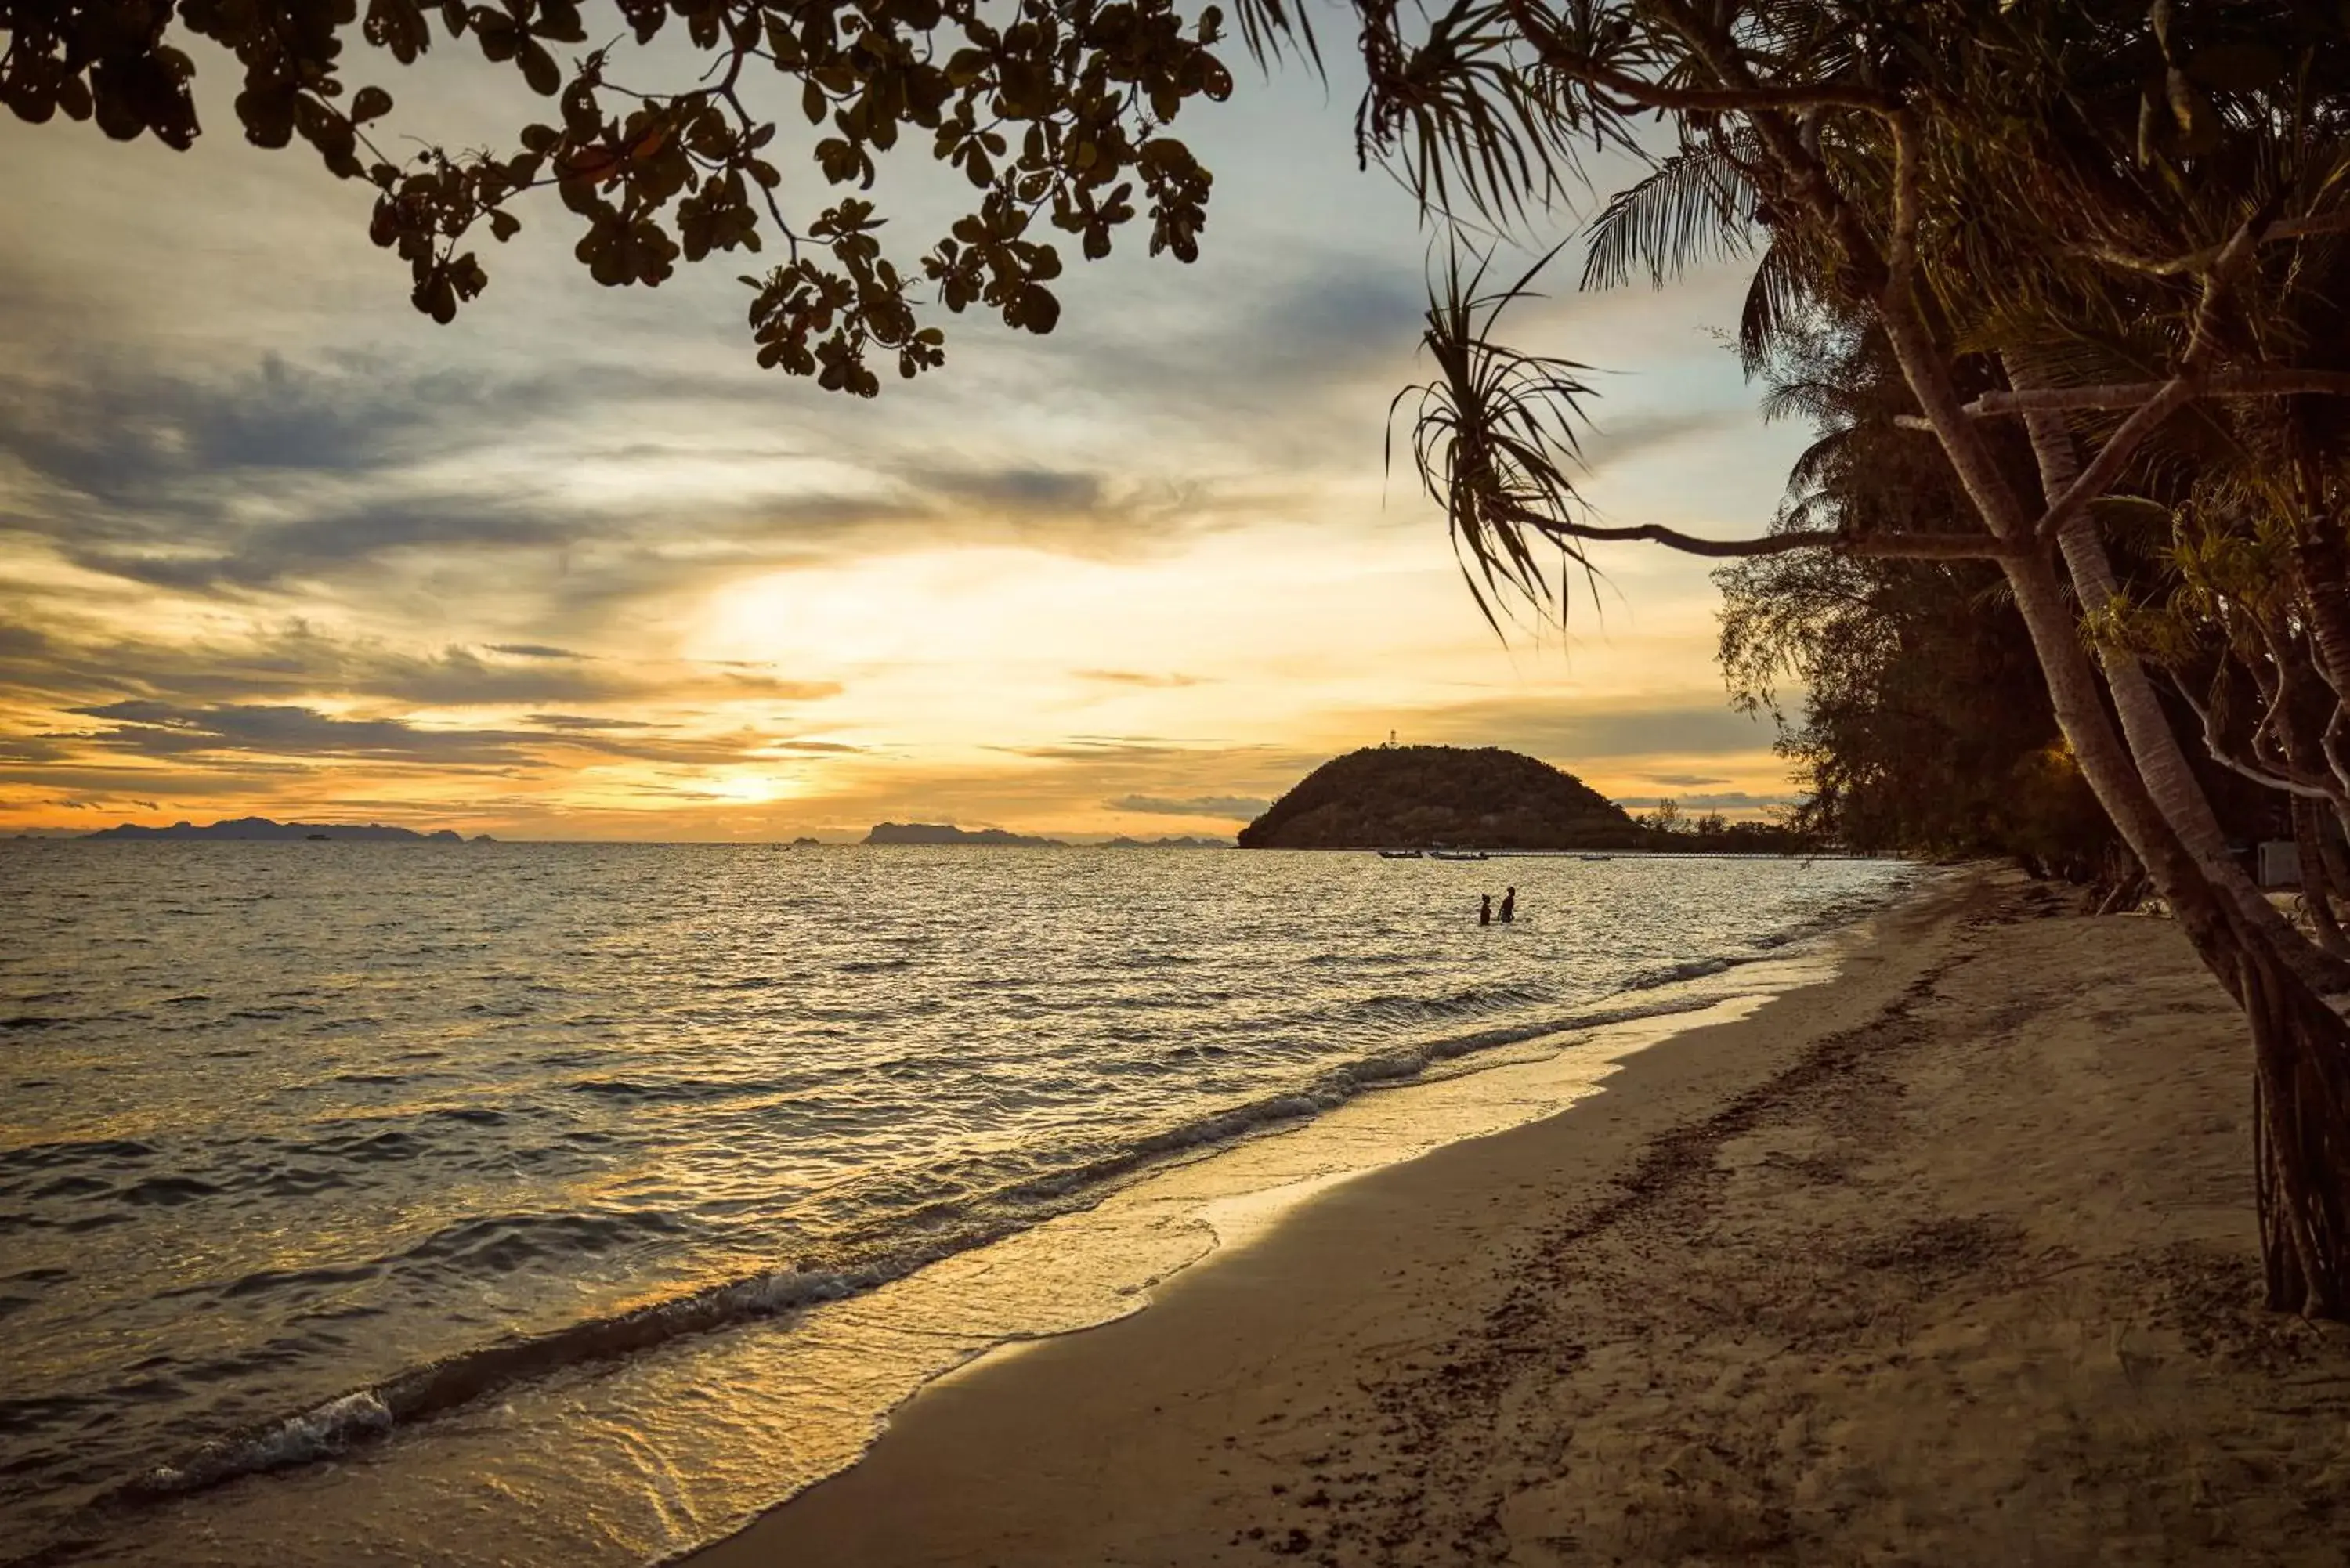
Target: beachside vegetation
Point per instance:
(2070, 229)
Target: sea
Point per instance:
(572, 1204)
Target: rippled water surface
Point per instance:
(303, 1142)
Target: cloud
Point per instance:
(1028, 492)
(584, 722)
(1137, 678)
(1570, 734)
(269, 480)
(533, 650)
(1727, 800)
(1080, 748)
(297, 660)
(1244, 807)
(197, 736)
(1624, 439)
(1685, 781)
(155, 729)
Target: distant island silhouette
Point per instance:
(947, 833)
(1406, 797)
(262, 828)
(996, 837)
(1182, 842)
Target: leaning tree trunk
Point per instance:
(2329, 853)
(2161, 761)
(2308, 830)
(2300, 1050)
(2323, 565)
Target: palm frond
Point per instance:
(1775, 301)
(1698, 205)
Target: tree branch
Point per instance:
(2218, 751)
(2132, 394)
(2116, 453)
(1882, 547)
(2186, 384)
(2196, 261)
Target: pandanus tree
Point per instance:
(1900, 157)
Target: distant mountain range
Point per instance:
(947, 833)
(1182, 843)
(996, 837)
(262, 828)
(1399, 798)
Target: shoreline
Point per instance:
(1267, 1221)
(1948, 1258)
(664, 1449)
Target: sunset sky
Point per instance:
(574, 567)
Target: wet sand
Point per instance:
(1948, 1259)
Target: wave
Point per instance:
(895, 1246)
(333, 1427)
(975, 1219)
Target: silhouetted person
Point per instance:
(1485, 911)
(1509, 905)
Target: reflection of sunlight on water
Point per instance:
(655, 1456)
(344, 1111)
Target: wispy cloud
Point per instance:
(1139, 678)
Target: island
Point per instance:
(249, 828)
(1406, 798)
(935, 833)
(1180, 842)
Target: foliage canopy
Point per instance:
(1056, 111)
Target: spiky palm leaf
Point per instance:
(1458, 115)
(1493, 438)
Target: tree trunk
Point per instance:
(2329, 855)
(2161, 761)
(2308, 828)
(2301, 1049)
(2320, 561)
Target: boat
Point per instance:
(1398, 854)
(1458, 855)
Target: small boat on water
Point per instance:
(1398, 854)
(1458, 855)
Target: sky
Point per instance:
(273, 543)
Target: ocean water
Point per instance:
(568, 1203)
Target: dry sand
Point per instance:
(1950, 1261)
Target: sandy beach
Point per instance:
(1948, 1259)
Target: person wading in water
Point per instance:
(1485, 911)
(1509, 905)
